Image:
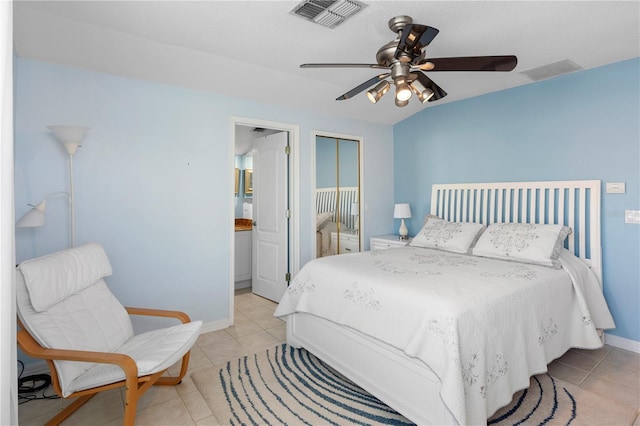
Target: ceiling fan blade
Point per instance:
(438, 93)
(473, 63)
(415, 38)
(351, 93)
(338, 65)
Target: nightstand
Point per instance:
(382, 242)
(349, 242)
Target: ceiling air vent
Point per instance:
(553, 69)
(329, 13)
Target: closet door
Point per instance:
(337, 195)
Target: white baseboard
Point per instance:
(208, 327)
(622, 343)
(242, 284)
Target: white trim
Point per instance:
(208, 327)
(294, 200)
(312, 211)
(622, 343)
(8, 356)
(312, 221)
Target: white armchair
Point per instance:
(69, 317)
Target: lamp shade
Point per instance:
(70, 136)
(34, 217)
(400, 103)
(423, 93)
(378, 92)
(402, 211)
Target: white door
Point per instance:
(270, 230)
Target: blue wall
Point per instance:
(328, 154)
(152, 179)
(584, 125)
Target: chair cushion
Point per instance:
(152, 351)
(91, 320)
(51, 279)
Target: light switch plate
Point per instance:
(632, 216)
(616, 188)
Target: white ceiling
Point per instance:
(253, 49)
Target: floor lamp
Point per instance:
(70, 137)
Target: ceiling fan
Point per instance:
(405, 60)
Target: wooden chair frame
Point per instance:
(135, 386)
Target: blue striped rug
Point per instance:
(290, 386)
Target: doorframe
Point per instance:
(294, 196)
(362, 206)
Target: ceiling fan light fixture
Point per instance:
(426, 95)
(400, 103)
(405, 60)
(403, 92)
(423, 93)
(378, 92)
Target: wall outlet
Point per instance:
(632, 216)
(616, 188)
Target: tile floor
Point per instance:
(610, 372)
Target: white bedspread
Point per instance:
(482, 326)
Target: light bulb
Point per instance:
(403, 92)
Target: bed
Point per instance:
(329, 218)
(460, 358)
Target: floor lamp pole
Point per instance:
(72, 202)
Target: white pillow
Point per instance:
(430, 216)
(524, 242)
(52, 278)
(322, 218)
(457, 237)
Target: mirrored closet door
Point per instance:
(337, 196)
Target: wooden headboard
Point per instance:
(571, 203)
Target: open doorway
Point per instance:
(265, 213)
